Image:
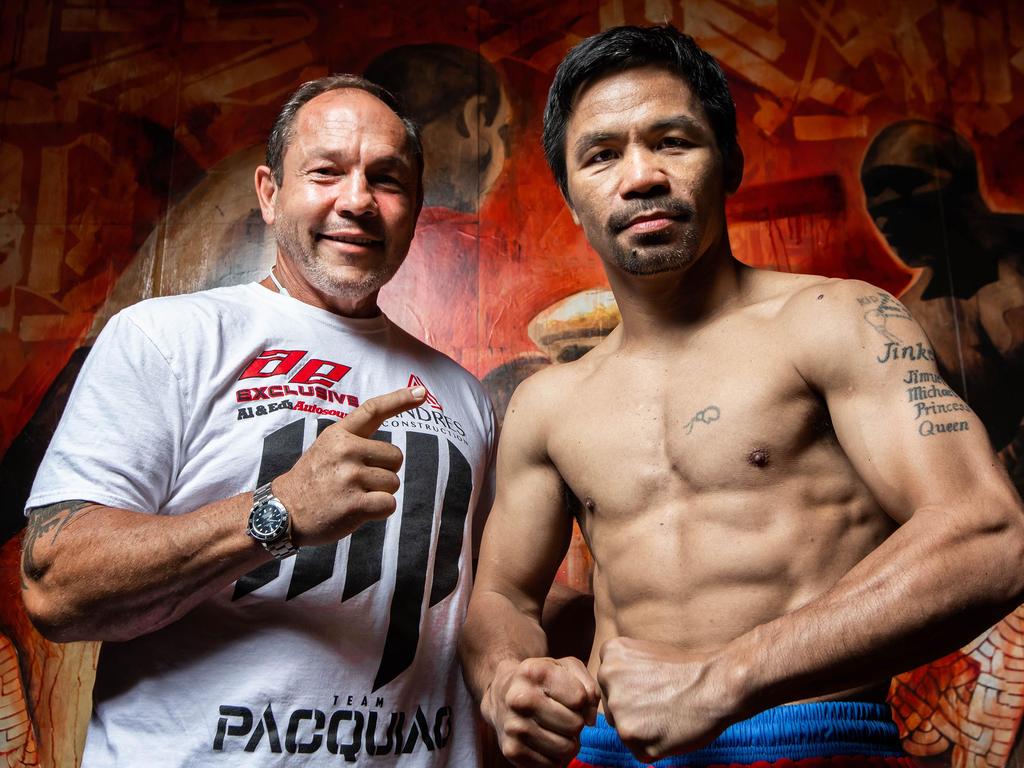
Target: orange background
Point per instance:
(113, 113)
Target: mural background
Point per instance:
(129, 132)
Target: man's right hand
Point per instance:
(346, 478)
(538, 708)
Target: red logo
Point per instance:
(416, 381)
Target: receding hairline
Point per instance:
(408, 142)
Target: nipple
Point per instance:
(589, 504)
(758, 457)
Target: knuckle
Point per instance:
(535, 669)
(522, 699)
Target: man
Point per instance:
(783, 500)
(265, 604)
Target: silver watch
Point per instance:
(270, 524)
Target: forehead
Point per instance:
(620, 101)
(348, 118)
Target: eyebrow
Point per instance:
(386, 161)
(681, 122)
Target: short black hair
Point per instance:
(622, 48)
(434, 79)
(283, 129)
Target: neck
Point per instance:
(657, 308)
(298, 287)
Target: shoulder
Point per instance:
(837, 326)
(171, 316)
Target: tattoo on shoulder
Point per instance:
(704, 416)
(881, 309)
(41, 521)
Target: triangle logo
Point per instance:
(416, 381)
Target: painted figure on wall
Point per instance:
(921, 184)
(922, 191)
(161, 128)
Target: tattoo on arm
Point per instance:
(934, 404)
(41, 521)
(882, 308)
(704, 416)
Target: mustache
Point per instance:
(674, 207)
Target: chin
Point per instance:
(350, 284)
(640, 261)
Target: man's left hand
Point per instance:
(661, 700)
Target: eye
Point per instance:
(325, 170)
(600, 156)
(388, 181)
(674, 142)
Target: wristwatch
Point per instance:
(270, 524)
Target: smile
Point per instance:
(349, 238)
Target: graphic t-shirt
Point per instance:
(343, 653)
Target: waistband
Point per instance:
(790, 732)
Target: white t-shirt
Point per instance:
(344, 653)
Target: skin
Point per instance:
(768, 522)
(91, 572)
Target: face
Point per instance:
(645, 176)
(345, 210)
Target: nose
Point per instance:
(355, 197)
(642, 174)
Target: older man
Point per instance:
(277, 558)
(784, 501)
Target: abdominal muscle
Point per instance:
(697, 575)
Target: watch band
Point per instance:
(283, 547)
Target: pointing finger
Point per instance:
(367, 418)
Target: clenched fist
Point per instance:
(346, 479)
(538, 708)
(661, 700)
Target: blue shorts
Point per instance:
(826, 733)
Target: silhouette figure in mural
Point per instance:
(921, 186)
(458, 98)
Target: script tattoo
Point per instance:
(931, 398)
(883, 308)
(42, 520)
(703, 416)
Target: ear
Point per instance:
(469, 120)
(733, 170)
(266, 192)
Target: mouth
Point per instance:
(350, 238)
(642, 216)
(652, 221)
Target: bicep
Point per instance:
(528, 530)
(910, 437)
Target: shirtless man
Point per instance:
(783, 499)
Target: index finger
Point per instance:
(367, 418)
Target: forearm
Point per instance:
(497, 634)
(98, 573)
(927, 590)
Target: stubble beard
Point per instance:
(652, 254)
(319, 274)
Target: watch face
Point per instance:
(269, 521)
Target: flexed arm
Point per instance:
(953, 567)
